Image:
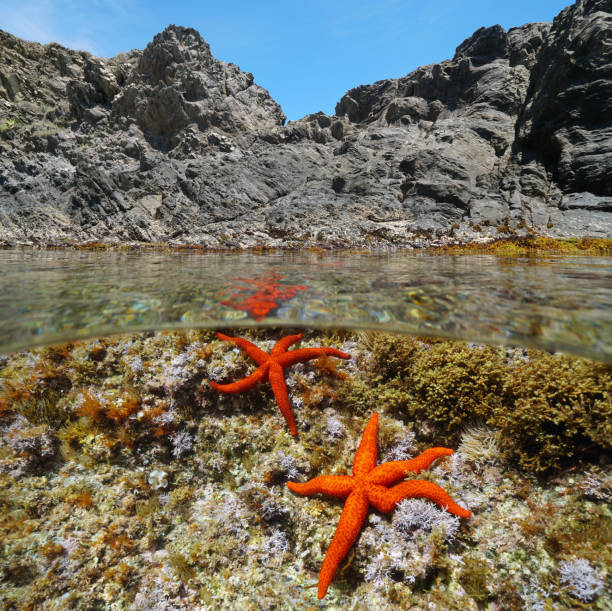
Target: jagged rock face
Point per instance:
(567, 118)
(178, 83)
(171, 145)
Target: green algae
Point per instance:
(475, 577)
(549, 409)
(533, 245)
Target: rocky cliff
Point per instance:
(511, 135)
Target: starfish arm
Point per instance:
(380, 499)
(242, 385)
(351, 520)
(390, 472)
(258, 355)
(339, 486)
(365, 457)
(282, 345)
(417, 488)
(307, 354)
(277, 381)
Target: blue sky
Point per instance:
(307, 53)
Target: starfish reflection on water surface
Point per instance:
(368, 486)
(271, 368)
(260, 302)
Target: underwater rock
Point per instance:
(160, 499)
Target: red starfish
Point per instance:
(271, 367)
(368, 486)
(269, 292)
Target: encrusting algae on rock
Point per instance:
(127, 482)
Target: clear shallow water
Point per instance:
(551, 302)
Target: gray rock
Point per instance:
(566, 121)
(171, 145)
(586, 201)
(488, 212)
(10, 82)
(95, 114)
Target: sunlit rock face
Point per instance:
(169, 144)
(567, 113)
(178, 83)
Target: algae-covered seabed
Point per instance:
(127, 482)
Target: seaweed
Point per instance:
(548, 409)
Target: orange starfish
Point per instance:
(368, 486)
(266, 298)
(271, 368)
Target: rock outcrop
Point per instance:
(512, 135)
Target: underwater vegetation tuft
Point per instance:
(549, 409)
